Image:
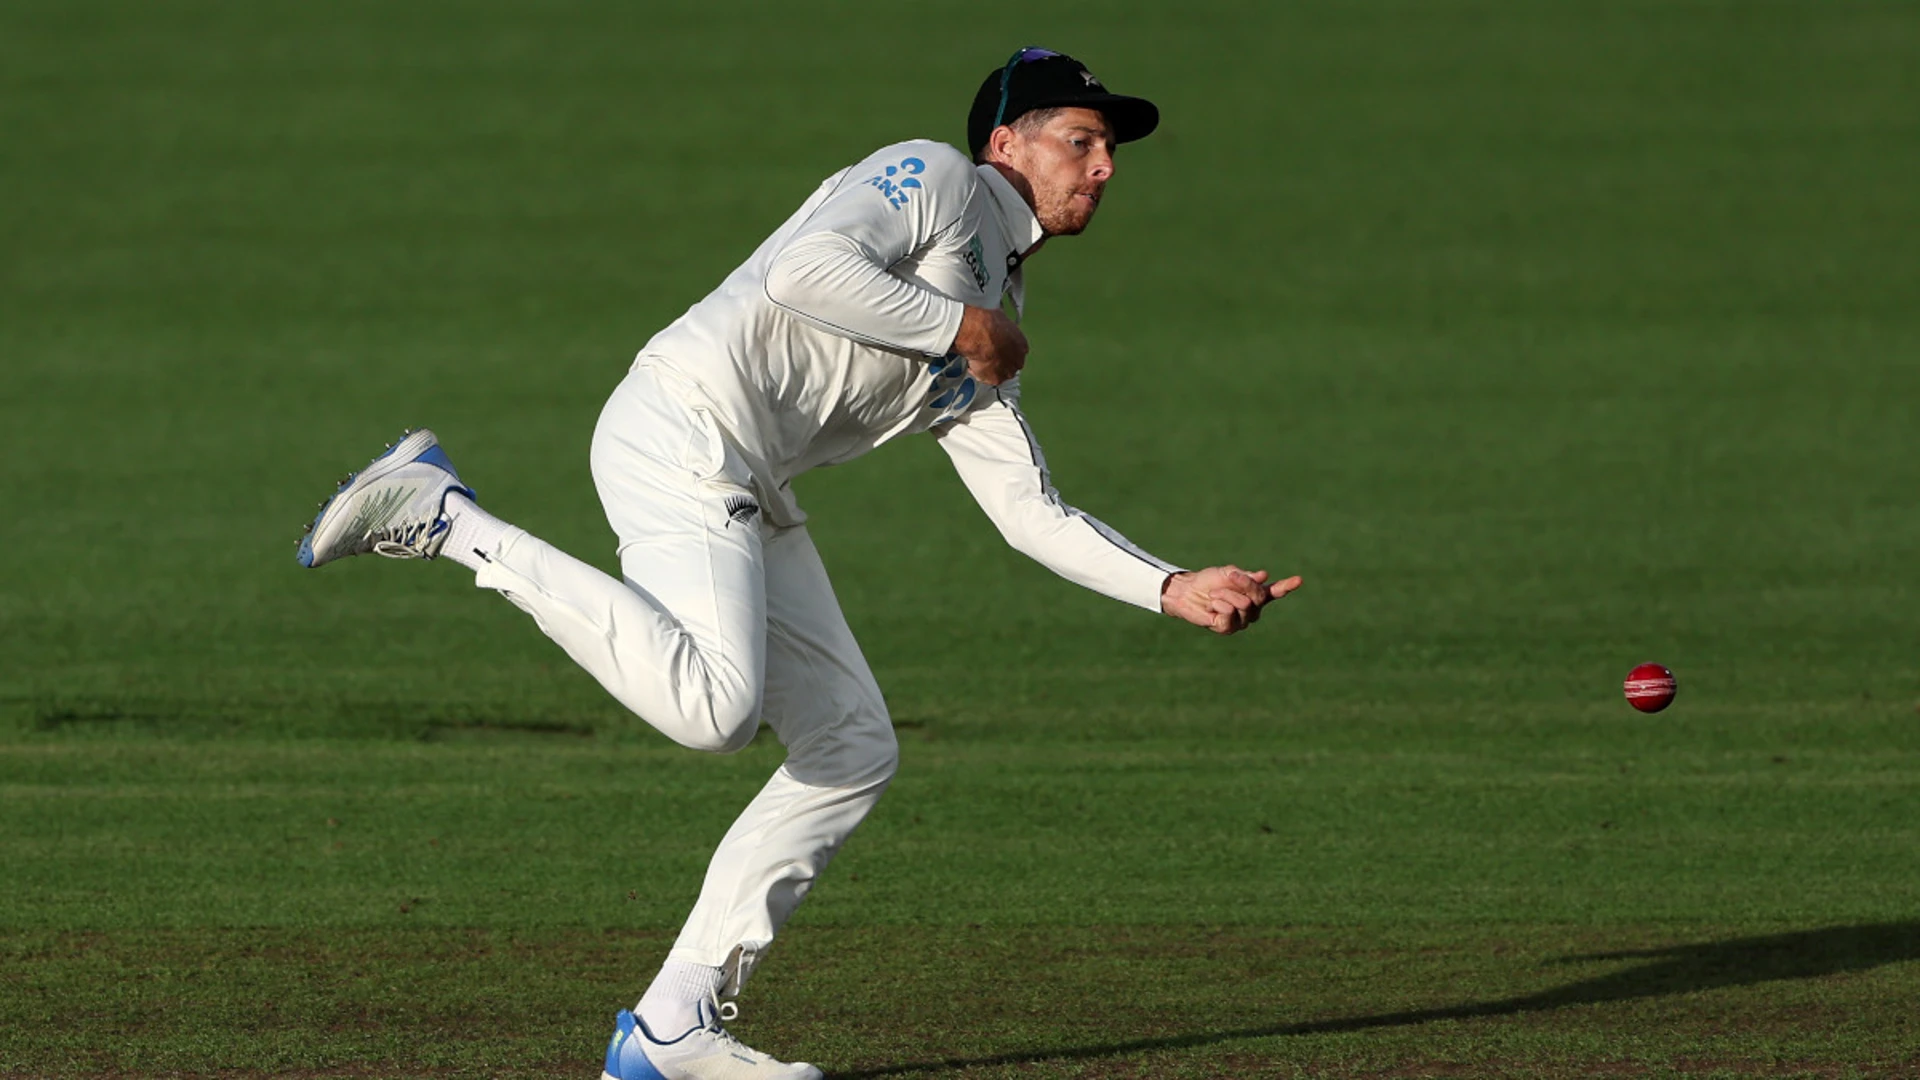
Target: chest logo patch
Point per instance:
(897, 183)
(977, 263)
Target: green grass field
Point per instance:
(1542, 338)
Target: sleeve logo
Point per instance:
(898, 190)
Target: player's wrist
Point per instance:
(971, 335)
(1172, 590)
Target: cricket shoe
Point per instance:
(395, 507)
(708, 1052)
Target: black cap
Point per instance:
(1042, 79)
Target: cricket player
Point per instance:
(876, 311)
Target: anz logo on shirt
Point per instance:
(897, 191)
(953, 389)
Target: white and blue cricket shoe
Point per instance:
(395, 507)
(707, 1052)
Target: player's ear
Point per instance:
(1000, 143)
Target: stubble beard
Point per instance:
(1067, 218)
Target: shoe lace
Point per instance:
(725, 1012)
(406, 540)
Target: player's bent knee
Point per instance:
(728, 727)
(713, 720)
(737, 738)
(885, 760)
(717, 739)
(859, 752)
(872, 750)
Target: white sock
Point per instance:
(474, 534)
(671, 1006)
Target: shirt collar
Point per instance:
(1017, 219)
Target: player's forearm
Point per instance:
(829, 281)
(1000, 462)
(1086, 551)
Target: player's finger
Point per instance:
(1281, 588)
(1239, 601)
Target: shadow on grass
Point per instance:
(1675, 969)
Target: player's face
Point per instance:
(1066, 165)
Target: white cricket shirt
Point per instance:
(833, 338)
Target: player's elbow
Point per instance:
(1031, 525)
(784, 281)
(806, 273)
(1019, 541)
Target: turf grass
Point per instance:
(1543, 339)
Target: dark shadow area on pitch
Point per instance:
(1667, 971)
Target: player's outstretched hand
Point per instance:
(995, 348)
(1224, 599)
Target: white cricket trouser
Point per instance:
(721, 622)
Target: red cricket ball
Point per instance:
(1650, 687)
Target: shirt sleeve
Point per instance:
(833, 270)
(997, 457)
